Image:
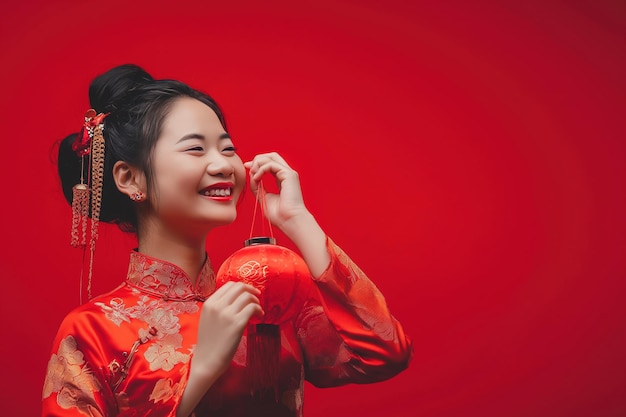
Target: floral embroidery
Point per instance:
(115, 312)
(164, 389)
(71, 379)
(160, 314)
(167, 280)
(164, 320)
(162, 354)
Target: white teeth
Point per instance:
(217, 192)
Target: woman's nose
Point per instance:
(219, 165)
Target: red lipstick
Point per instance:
(221, 191)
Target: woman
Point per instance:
(165, 342)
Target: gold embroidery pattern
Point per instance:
(162, 330)
(69, 377)
(163, 327)
(254, 274)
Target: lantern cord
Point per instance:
(264, 202)
(256, 204)
(261, 196)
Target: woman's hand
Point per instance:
(287, 210)
(286, 206)
(224, 316)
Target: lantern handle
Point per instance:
(260, 195)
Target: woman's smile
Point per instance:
(220, 191)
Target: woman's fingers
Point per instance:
(226, 312)
(239, 305)
(288, 202)
(264, 157)
(271, 163)
(227, 293)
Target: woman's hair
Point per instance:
(137, 104)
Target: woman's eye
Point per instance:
(196, 149)
(229, 149)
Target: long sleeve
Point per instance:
(347, 332)
(74, 384)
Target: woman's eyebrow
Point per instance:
(191, 136)
(201, 137)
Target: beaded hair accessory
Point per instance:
(89, 146)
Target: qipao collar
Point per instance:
(166, 280)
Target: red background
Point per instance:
(469, 156)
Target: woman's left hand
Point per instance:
(288, 204)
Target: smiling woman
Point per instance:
(195, 166)
(155, 158)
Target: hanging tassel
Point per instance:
(263, 360)
(97, 174)
(80, 214)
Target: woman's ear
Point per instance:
(129, 179)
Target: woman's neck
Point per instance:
(186, 252)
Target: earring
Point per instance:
(138, 196)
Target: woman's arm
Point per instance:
(347, 333)
(223, 318)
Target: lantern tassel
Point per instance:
(264, 360)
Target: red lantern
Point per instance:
(279, 273)
(283, 279)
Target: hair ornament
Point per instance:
(89, 146)
(82, 144)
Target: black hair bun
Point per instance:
(113, 87)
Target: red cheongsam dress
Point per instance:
(128, 352)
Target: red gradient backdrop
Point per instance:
(469, 156)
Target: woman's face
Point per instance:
(198, 177)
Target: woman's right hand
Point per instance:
(224, 316)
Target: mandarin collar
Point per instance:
(166, 280)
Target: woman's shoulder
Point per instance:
(108, 319)
(91, 306)
(95, 312)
